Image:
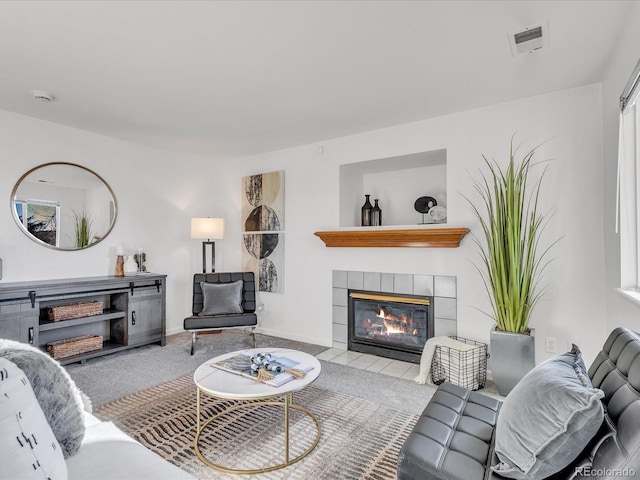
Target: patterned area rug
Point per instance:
(359, 439)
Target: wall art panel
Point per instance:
(263, 202)
(263, 254)
(263, 225)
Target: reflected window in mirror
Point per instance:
(63, 206)
(40, 218)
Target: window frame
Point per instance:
(628, 196)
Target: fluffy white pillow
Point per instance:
(28, 447)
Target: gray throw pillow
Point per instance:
(548, 419)
(221, 298)
(59, 398)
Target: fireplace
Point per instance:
(388, 324)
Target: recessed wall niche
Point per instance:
(397, 182)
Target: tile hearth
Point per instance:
(371, 363)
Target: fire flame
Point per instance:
(394, 325)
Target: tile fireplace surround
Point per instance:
(441, 287)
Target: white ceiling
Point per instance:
(231, 79)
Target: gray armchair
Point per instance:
(222, 301)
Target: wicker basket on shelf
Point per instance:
(74, 346)
(75, 310)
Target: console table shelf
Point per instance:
(107, 315)
(410, 237)
(108, 347)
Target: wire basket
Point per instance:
(465, 368)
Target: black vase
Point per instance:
(367, 212)
(376, 218)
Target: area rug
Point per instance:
(359, 439)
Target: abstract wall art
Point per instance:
(263, 202)
(263, 226)
(263, 254)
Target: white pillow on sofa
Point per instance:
(58, 395)
(28, 447)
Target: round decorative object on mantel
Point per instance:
(438, 213)
(423, 205)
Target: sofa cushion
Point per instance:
(108, 453)
(221, 298)
(28, 447)
(548, 419)
(452, 438)
(59, 398)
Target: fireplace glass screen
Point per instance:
(395, 326)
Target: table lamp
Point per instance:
(211, 229)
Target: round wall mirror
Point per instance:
(63, 206)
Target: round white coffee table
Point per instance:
(218, 383)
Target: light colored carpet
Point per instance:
(360, 439)
(110, 377)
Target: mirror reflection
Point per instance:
(63, 206)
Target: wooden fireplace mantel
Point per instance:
(410, 237)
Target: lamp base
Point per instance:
(204, 256)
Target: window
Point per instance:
(628, 214)
(40, 218)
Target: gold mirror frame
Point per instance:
(96, 238)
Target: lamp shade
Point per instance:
(210, 228)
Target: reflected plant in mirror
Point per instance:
(82, 224)
(63, 206)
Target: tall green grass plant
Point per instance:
(512, 223)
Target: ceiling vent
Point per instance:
(529, 39)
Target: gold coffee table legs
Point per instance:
(287, 403)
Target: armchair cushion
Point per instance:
(221, 298)
(548, 419)
(195, 322)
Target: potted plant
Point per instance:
(512, 261)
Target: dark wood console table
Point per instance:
(134, 311)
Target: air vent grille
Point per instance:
(528, 35)
(529, 39)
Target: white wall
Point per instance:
(397, 182)
(620, 311)
(157, 194)
(568, 124)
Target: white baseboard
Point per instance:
(174, 330)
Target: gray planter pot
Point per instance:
(512, 356)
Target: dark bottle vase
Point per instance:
(367, 212)
(376, 218)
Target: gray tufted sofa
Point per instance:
(454, 437)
